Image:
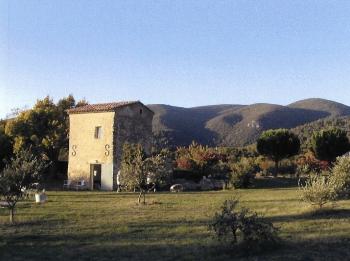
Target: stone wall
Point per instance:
(133, 124)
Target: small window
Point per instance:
(140, 111)
(98, 132)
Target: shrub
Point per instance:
(307, 164)
(235, 226)
(318, 190)
(341, 176)
(243, 173)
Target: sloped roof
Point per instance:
(102, 107)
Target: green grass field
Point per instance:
(102, 226)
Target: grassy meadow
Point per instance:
(108, 225)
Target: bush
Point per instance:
(243, 173)
(307, 164)
(318, 190)
(242, 226)
(341, 176)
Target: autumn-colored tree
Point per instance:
(197, 157)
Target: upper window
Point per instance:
(98, 132)
(140, 111)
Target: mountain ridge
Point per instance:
(236, 124)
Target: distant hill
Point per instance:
(236, 125)
(327, 106)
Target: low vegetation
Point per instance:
(241, 226)
(318, 190)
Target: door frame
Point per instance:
(92, 168)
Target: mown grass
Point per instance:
(104, 226)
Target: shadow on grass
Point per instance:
(207, 249)
(34, 224)
(278, 182)
(313, 215)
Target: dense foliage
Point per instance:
(243, 173)
(341, 176)
(318, 190)
(307, 163)
(201, 159)
(305, 132)
(329, 144)
(5, 146)
(278, 144)
(44, 128)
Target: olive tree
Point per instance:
(329, 144)
(137, 169)
(22, 171)
(277, 145)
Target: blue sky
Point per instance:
(184, 53)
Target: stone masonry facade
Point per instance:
(119, 123)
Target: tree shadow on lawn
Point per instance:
(313, 215)
(275, 182)
(33, 224)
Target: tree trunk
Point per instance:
(139, 199)
(144, 197)
(12, 215)
(276, 168)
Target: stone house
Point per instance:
(97, 134)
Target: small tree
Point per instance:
(240, 225)
(137, 169)
(19, 174)
(318, 190)
(329, 144)
(340, 176)
(277, 145)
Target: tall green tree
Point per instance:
(44, 128)
(329, 144)
(277, 145)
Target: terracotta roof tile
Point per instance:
(101, 107)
